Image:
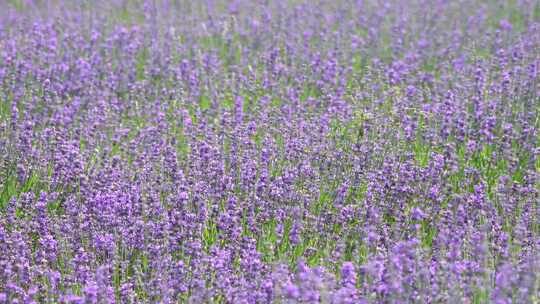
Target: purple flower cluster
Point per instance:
(270, 151)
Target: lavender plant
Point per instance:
(269, 151)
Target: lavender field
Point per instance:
(284, 151)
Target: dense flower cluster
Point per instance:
(269, 151)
